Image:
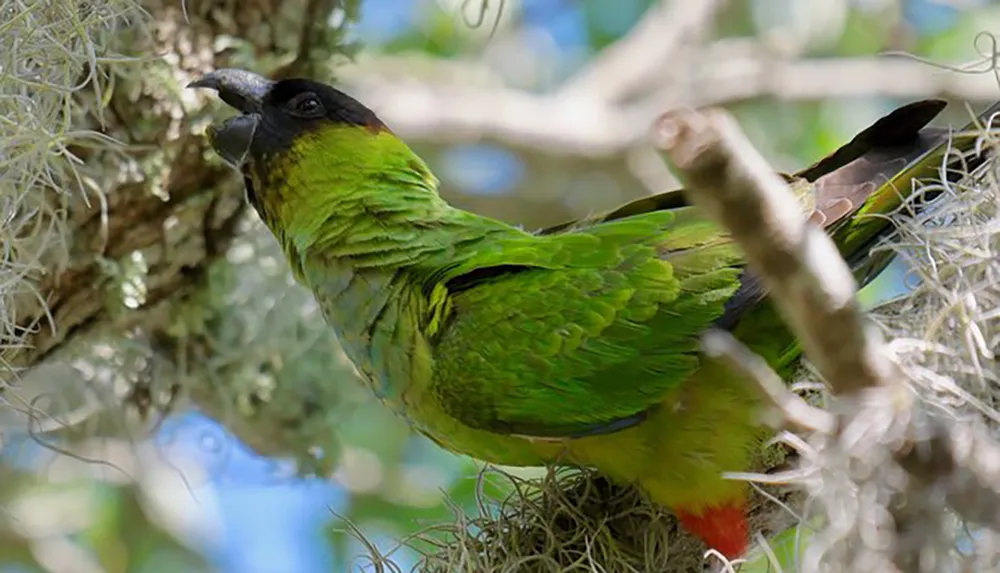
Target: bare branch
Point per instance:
(738, 69)
(436, 110)
(510, 116)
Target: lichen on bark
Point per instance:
(119, 246)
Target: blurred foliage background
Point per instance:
(532, 111)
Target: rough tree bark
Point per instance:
(161, 197)
(149, 116)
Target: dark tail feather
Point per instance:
(924, 155)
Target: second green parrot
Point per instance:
(574, 345)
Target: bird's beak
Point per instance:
(244, 91)
(239, 88)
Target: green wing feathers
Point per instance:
(605, 330)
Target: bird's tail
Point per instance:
(877, 174)
(724, 527)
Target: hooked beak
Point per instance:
(244, 91)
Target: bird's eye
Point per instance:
(306, 105)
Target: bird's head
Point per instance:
(280, 116)
(307, 151)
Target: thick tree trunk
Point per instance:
(180, 211)
(143, 224)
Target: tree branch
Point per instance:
(585, 126)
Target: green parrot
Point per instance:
(574, 345)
